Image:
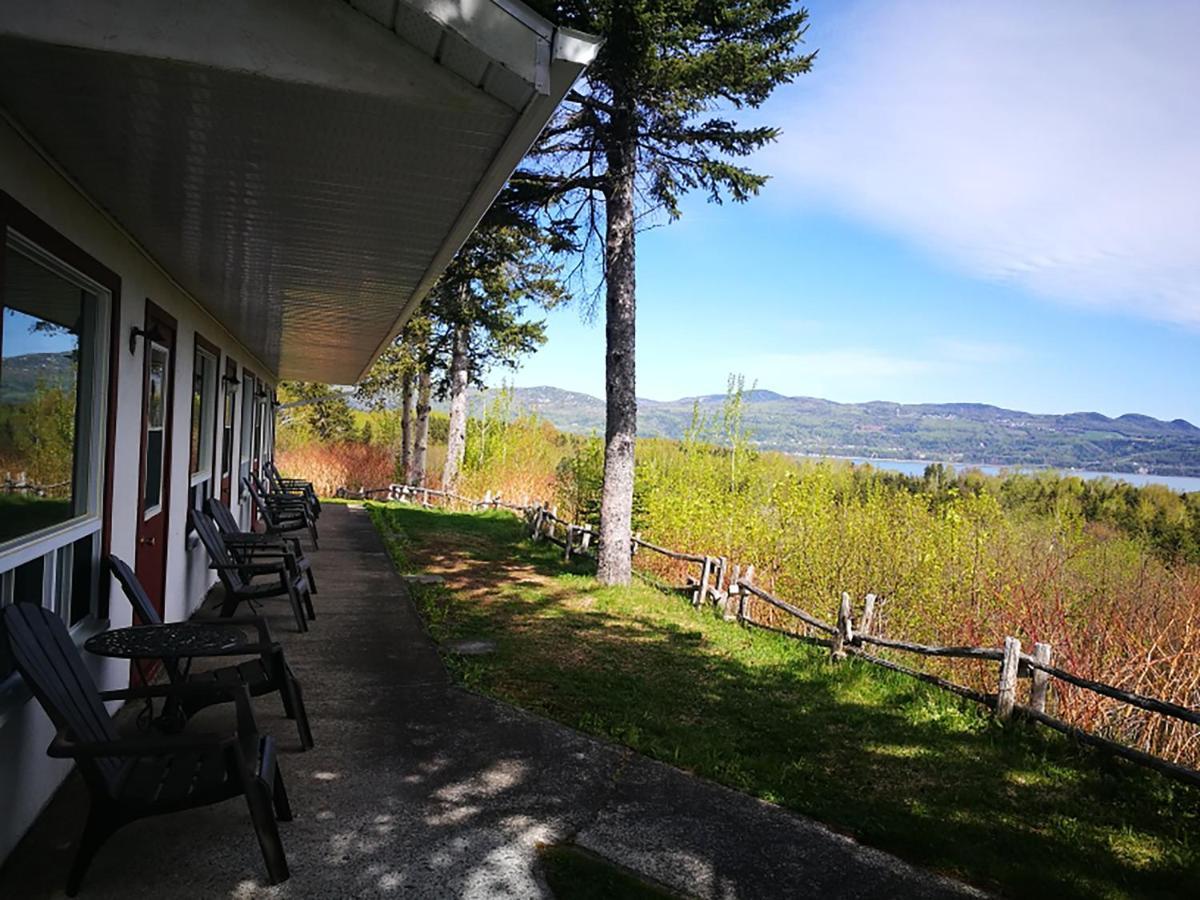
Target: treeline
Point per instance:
(1167, 521)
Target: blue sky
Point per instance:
(970, 202)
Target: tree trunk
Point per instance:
(456, 439)
(620, 426)
(406, 429)
(421, 436)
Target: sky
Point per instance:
(970, 201)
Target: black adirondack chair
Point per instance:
(245, 546)
(130, 778)
(266, 673)
(292, 486)
(281, 515)
(238, 577)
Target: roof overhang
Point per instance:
(305, 169)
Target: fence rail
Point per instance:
(844, 639)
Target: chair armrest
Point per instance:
(150, 691)
(63, 746)
(256, 649)
(250, 538)
(270, 551)
(251, 568)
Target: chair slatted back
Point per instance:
(211, 539)
(256, 494)
(220, 514)
(53, 668)
(134, 592)
(145, 613)
(273, 476)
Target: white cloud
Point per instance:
(1056, 145)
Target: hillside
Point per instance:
(20, 375)
(947, 432)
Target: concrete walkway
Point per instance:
(419, 789)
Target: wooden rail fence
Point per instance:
(730, 589)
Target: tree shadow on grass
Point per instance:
(896, 763)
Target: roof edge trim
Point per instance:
(573, 51)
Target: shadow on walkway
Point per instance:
(418, 788)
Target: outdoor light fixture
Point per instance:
(231, 383)
(134, 333)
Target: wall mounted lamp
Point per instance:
(152, 333)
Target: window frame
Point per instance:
(56, 544)
(164, 447)
(227, 396)
(245, 459)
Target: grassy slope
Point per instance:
(576, 874)
(898, 764)
(21, 514)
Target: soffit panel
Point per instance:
(303, 217)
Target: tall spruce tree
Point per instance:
(653, 119)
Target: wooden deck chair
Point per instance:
(267, 672)
(245, 546)
(238, 577)
(281, 515)
(294, 486)
(130, 778)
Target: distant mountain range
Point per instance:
(20, 375)
(961, 433)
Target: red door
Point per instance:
(155, 483)
(230, 408)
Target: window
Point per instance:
(204, 410)
(156, 428)
(259, 423)
(228, 385)
(53, 369)
(247, 449)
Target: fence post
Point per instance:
(868, 616)
(633, 547)
(748, 579)
(735, 590)
(570, 539)
(1041, 681)
(585, 541)
(845, 630)
(1006, 696)
(702, 592)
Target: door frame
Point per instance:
(157, 315)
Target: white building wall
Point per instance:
(28, 777)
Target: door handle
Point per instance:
(147, 541)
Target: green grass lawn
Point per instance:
(576, 874)
(898, 764)
(22, 514)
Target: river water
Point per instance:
(1181, 483)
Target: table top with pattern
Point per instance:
(171, 641)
